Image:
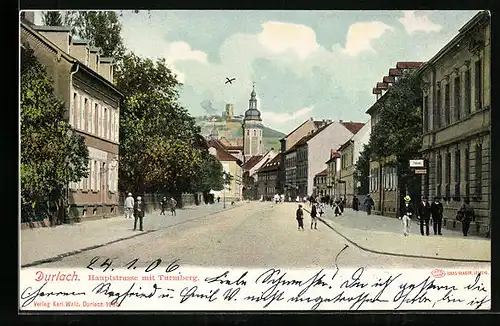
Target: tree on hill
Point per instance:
(51, 155)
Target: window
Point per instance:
(248, 132)
(479, 169)
(73, 110)
(96, 118)
(456, 96)
(91, 175)
(478, 86)
(81, 119)
(110, 119)
(426, 113)
(448, 175)
(447, 104)
(86, 121)
(255, 132)
(105, 123)
(467, 95)
(457, 173)
(89, 118)
(437, 117)
(467, 172)
(117, 126)
(439, 174)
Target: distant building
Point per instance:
(267, 177)
(457, 122)
(320, 184)
(231, 165)
(83, 80)
(250, 169)
(288, 142)
(349, 154)
(306, 158)
(333, 174)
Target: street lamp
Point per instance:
(224, 176)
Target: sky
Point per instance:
(320, 64)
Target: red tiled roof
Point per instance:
(395, 72)
(324, 172)
(222, 153)
(409, 65)
(353, 127)
(252, 161)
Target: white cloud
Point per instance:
(413, 24)
(281, 118)
(279, 37)
(360, 35)
(181, 51)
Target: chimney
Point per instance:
(311, 118)
(94, 58)
(340, 121)
(106, 68)
(59, 35)
(80, 50)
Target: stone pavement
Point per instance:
(46, 244)
(381, 234)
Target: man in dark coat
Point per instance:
(437, 215)
(355, 203)
(424, 215)
(299, 215)
(139, 207)
(467, 214)
(369, 203)
(163, 204)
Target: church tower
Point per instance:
(252, 129)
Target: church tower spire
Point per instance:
(252, 128)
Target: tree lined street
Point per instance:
(259, 234)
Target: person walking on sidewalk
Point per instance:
(437, 215)
(314, 214)
(355, 203)
(407, 212)
(336, 208)
(173, 205)
(424, 214)
(129, 206)
(163, 204)
(139, 213)
(466, 214)
(369, 204)
(299, 216)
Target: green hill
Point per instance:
(232, 129)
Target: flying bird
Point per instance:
(230, 81)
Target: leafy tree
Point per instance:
(101, 28)
(209, 176)
(158, 138)
(362, 169)
(51, 155)
(397, 136)
(52, 18)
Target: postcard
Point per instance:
(255, 160)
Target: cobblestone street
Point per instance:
(259, 234)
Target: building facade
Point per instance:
(457, 122)
(250, 168)
(320, 184)
(349, 154)
(83, 80)
(333, 174)
(267, 177)
(231, 165)
(288, 142)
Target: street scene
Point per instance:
(274, 139)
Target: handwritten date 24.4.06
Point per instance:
(105, 264)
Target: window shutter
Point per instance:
(98, 176)
(91, 174)
(80, 113)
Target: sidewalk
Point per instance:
(40, 244)
(381, 234)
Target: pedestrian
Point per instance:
(163, 204)
(139, 207)
(406, 214)
(300, 217)
(437, 215)
(336, 208)
(342, 205)
(173, 205)
(282, 198)
(424, 215)
(466, 214)
(369, 204)
(321, 209)
(129, 206)
(314, 214)
(218, 199)
(355, 203)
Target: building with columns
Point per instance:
(83, 80)
(457, 123)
